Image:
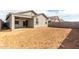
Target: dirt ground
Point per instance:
(39, 38)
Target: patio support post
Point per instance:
(13, 22)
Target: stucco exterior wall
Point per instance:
(41, 21)
(31, 23)
(20, 23)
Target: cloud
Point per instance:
(66, 15)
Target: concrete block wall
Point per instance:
(64, 24)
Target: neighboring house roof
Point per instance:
(26, 12)
(54, 18)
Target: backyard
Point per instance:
(40, 38)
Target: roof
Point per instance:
(26, 12)
(54, 17)
(20, 13)
(43, 15)
(8, 16)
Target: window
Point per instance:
(37, 21)
(16, 22)
(45, 22)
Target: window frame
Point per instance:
(46, 21)
(37, 21)
(16, 22)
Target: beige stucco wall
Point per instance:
(20, 23)
(31, 23)
(41, 20)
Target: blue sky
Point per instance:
(65, 15)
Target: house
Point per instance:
(26, 19)
(55, 19)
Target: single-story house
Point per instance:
(54, 19)
(26, 19)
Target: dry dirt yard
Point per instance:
(40, 38)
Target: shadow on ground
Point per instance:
(71, 41)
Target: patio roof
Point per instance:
(24, 16)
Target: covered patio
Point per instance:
(22, 21)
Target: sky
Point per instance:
(66, 9)
(65, 15)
